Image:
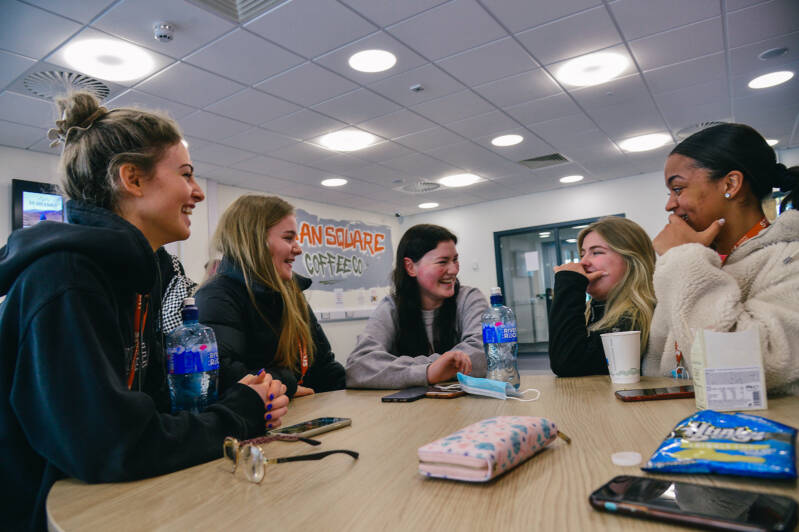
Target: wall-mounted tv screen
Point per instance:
(33, 202)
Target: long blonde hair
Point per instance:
(633, 297)
(241, 236)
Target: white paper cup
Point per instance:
(623, 353)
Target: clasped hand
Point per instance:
(445, 367)
(272, 393)
(678, 232)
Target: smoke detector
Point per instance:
(163, 31)
(687, 131)
(418, 187)
(53, 83)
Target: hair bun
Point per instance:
(77, 110)
(785, 178)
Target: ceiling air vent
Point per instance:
(545, 160)
(418, 187)
(687, 131)
(53, 83)
(239, 11)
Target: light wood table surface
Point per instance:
(383, 489)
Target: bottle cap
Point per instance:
(496, 291)
(188, 302)
(626, 458)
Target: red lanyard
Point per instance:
(303, 361)
(139, 322)
(753, 232)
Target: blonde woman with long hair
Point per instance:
(255, 303)
(615, 269)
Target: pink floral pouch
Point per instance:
(485, 449)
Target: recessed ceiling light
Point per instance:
(592, 69)
(372, 61)
(645, 142)
(507, 140)
(770, 79)
(571, 240)
(772, 142)
(109, 59)
(460, 180)
(544, 234)
(334, 182)
(347, 140)
(580, 226)
(571, 179)
(430, 205)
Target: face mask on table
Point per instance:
(495, 389)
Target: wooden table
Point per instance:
(383, 490)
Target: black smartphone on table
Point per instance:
(405, 396)
(695, 505)
(653, 394)
(314, 426)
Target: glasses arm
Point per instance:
(313, 456)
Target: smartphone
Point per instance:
(314, 426)
(445, 391)
(695, 505)
(652, 394)
(405, 396)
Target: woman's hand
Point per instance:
(272, 393)
(448, 365)
(578, 268)
(303, 391)
(678, 232)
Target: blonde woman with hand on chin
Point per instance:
(615, 269)
(723, 266)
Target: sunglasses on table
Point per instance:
(254, 462)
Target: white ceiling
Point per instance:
(251, 97)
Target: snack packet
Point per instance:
(728, 444)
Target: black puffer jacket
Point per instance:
(247, 344)
(66, 332)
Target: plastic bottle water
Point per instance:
(193, 362)
(499, 340)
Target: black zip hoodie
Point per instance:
(66, 326)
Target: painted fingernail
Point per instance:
(262, 370)
(269, 426)
(271, 396)
(269, 407)
(268, 417)
(722, 221)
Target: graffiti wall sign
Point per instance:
(344, 254)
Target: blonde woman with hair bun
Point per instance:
(255, 303)
(615, 270)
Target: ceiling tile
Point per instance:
(396, 124)
(188, 84)
(472, 158)
(430, 139)
(253, 107)
(434, 35)
(301, 153)
(518, 15)
(338, 60)
(638, 19)
(488, 62)
(491, 123)
(434, 82)
(453, 107)
(377, 173)
(305, 27)
(305, 124)
(530, 147)
(421, 165)
(26, 110)
(385, 13)
(628, 119)
(266, 166)
(519, 88)
(258, 140)
(43, 146)
(245, 57)
(82, 11)
(685, 42)
(770, 122)
(745, 59)
(134, 98)
(134, 20)
(218, 154)
(20, 19)
(12, 66)
(357, 106)
(700, 70)
(700, 94)
(785, 92)
(734, 5)
(340, 164)
(382, 152)
(762, 21)
(19, 136)
(687, 115)
(560, 130)
(614, 92)
(555, 41)
(307, 84)
(543, 109)
(209, 126)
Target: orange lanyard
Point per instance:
(753, 232)
(303, 362)
(139, 321)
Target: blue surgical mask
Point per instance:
(492, 388)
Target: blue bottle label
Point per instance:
(499, 334)
(197, 358)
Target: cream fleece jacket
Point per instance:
(372, 364)
(758, 286)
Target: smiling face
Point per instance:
(596, 255)
(283, 245)
(693, 196)
(436, 273)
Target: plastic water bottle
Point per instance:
(193, 361)
(499, 340)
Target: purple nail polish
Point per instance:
(262, 370)
(271, 396)
(268, 417)
(269, 407)
(269, 426)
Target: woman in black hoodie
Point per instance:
(255, 303)
(82, 392)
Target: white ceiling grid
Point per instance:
(252, 98)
